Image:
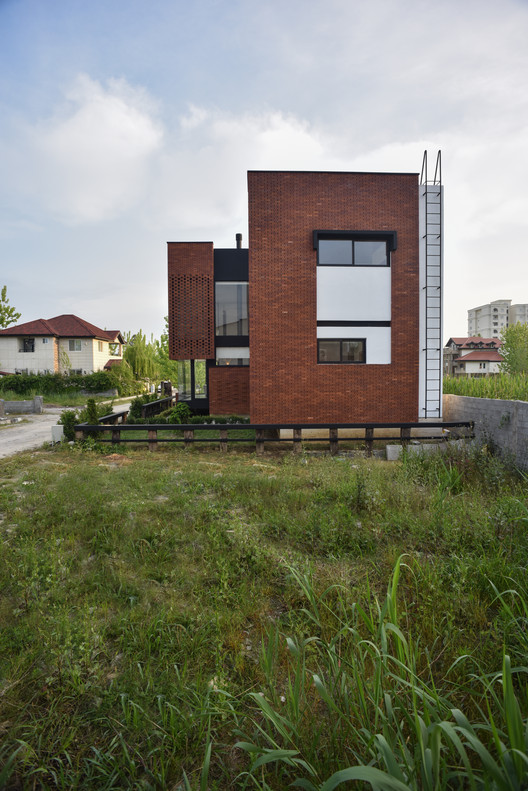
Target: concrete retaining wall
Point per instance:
(35, 406)
(504, 423)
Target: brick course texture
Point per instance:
(286, 382)
(229, 390)
(191, 300)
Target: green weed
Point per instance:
(147, 600)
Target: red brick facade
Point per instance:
(286, 382)
(191, 300)
(229, 390)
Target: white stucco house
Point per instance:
(63, 344)
(473, 356)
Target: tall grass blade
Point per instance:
(368, 774)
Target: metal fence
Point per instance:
(259, 434)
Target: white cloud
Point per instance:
(201, 179)
(90, 161)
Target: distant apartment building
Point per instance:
(518, 314)
(489, 320)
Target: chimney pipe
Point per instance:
(239, 241)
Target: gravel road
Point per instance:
(32, 432)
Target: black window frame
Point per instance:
(389, 237)
(341, 361)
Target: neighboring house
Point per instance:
(473, 356)
(333, 314)
(62, 344)
(489, 320)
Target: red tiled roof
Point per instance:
(65, 326)
(112, 362)
(487, 355)
(463, 343)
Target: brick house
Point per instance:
(333, 313)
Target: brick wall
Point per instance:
(286, 382)
(191, 300)
(56, 358)
(229, 390)
(503, 422)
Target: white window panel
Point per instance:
(353, 294)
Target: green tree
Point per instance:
(514, 349)
(8, 315)
(141, 355)
(168, 368)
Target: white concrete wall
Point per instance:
(13, 360)
(81, 360)
(473, 367)
(354, 293)
(89, 358)
(101, 358)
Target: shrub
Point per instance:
(46, 384)
(68, 419)
(137, 403)
(90, 414)
(91, 411)
(218, 419)
(180, 413)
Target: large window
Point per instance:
(74, 345)
(27, 345)
(192, 379)
(352, 252)
(341, 350)
(232, 355)
(231, 308)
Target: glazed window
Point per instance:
(192, 379)
(232, 355)
(347, 252)
(74, 345)
(354, 248)
(341, 350)
(231, 308)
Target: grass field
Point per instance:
(512, 387)
(195, 620)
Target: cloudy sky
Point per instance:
(125, 124)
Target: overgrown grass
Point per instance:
(71, 398)
(512, 387)
(196, 620)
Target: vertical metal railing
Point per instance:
(433, 284)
